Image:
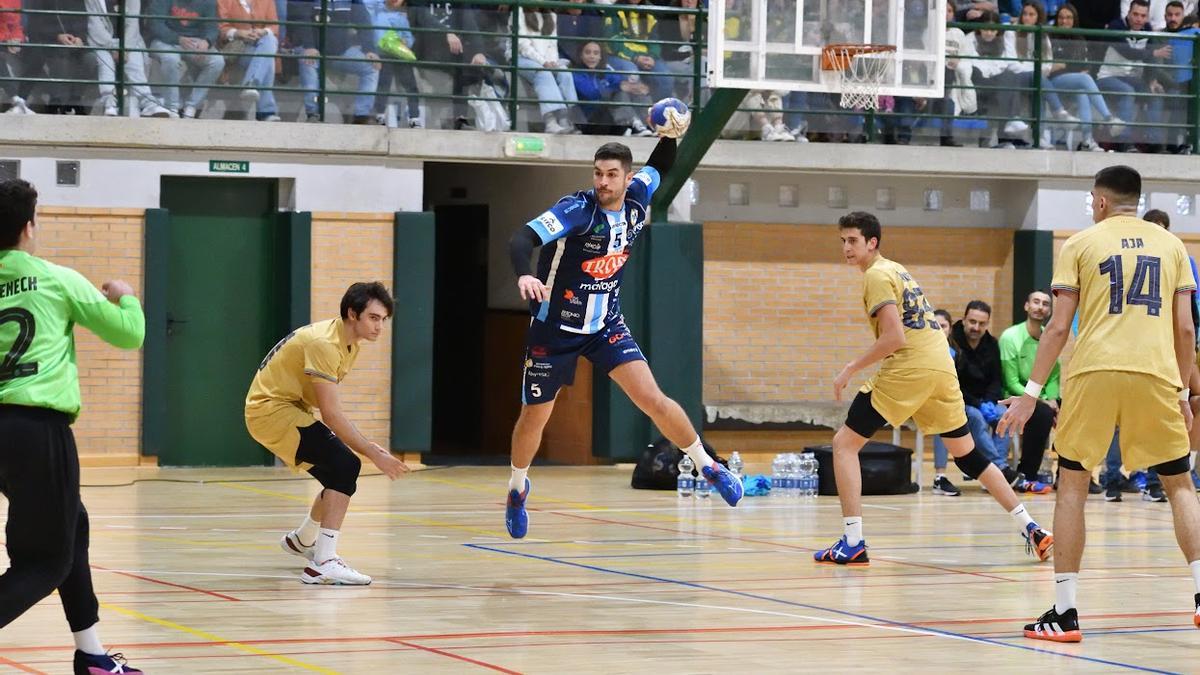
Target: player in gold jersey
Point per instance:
(1131, 283)
(917, 379)
(301, 374)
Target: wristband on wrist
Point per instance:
(1033, 389)
(1185, 394)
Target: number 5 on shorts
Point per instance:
(535, 390)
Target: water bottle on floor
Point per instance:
(685, 484)
(777, 477)
(790, 487)
(736, 466)
(808, 476)
(703, 487)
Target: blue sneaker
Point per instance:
(729, 485)
(515, 517)
(99, 664)
(1139, 479)
(842, 553)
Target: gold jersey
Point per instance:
(286, 374)
(887, 283)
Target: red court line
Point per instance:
(168, 583)
(766, 543)
(482, 664)
(19, 666)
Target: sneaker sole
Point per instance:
(1112, 499)
(288, 547)
(1069, 636)
(320, 580)
(1046, 552)
(850, 564)
(939, 491)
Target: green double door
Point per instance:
(227, 277)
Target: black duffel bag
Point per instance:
(658, 467)
(886, 469)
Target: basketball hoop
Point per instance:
(863, 69)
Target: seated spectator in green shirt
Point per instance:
(1018, 347)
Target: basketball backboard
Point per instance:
(776, 44)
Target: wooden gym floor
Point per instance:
(610, 580)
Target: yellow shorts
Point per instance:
(1146, 408)
(930, 397)
(276, 426)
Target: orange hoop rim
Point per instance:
(838, 56)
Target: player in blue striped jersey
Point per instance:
(575, 303)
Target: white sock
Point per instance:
(307, 532)
(1064, 591)
(1195, 565)
(517, 480)
(698, 455)
(853, 530)
(1022, 517)
(88, 641)
(326, 545)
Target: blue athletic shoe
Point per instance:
(100, 664)
(515, 517)
(842, 553)
(729, 485)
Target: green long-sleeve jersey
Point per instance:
(40, 303)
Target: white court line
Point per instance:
(433, 536)
(171, 527)
(380, 534)
(880, 506)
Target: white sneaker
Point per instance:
(1015, 127)
(290, 543)
(334, 572)
(767, 133)
(1064, 116)
(553, 127)
(19, 107)
(783, 134)
(415, 123)
(189, 112)
(249, 98)
(1090, 145)
(110, 110)
(272, 118)
(1115, 126)
(638, 128)
(156, 110)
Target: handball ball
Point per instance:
(670, 117)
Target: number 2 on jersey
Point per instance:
(11, 367)
(1145, 289)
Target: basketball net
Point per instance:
(863, 68)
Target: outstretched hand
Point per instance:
(532, 288)
(388, 463)
(1020, 409)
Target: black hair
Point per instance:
(1038, 290)
(1158, 217)
(978, 305)
(1124, 182)
(864, 222)
(944, 314)
(359, 295)
(18, 201)
(617, 151)
(1140, 3)
(1175, 3)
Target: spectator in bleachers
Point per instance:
(602, 83)
(192, 29)
(1158, 12)
(630, 51)
(1176, 72)
(1018, 348)
(394, 42)
(767, 115)
(993, 59)
(340, 40)
(12, 36)
(678, 58)
(448, 39)
(543, 68)
(1124, 73)
(1070, 73)
(963, 100)
(971, 10)
(1033, 13)
(102, 33)
(252, 46)
(56, 44)
(576, 26)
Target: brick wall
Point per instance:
(783, 312)
(350, 247)
(102, 244)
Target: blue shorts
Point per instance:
(551, 354)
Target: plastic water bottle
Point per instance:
(703, 487)
(736, 466)
(791, 477)
(777, 477)
(685, 484)
(808, 476)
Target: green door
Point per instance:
(226, 304)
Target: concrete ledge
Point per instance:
(349, 141)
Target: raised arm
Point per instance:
(114, 316)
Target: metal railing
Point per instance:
(491, 29)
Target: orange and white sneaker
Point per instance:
(334, 572)
(1055, 627)
(1196, 617)
(290, 543)
(1039, 542)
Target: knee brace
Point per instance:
(973, 463)
(341, 473)
(1174, 467)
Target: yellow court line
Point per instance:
(214, 638)
(409, 519)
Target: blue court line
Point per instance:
(861, 617)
